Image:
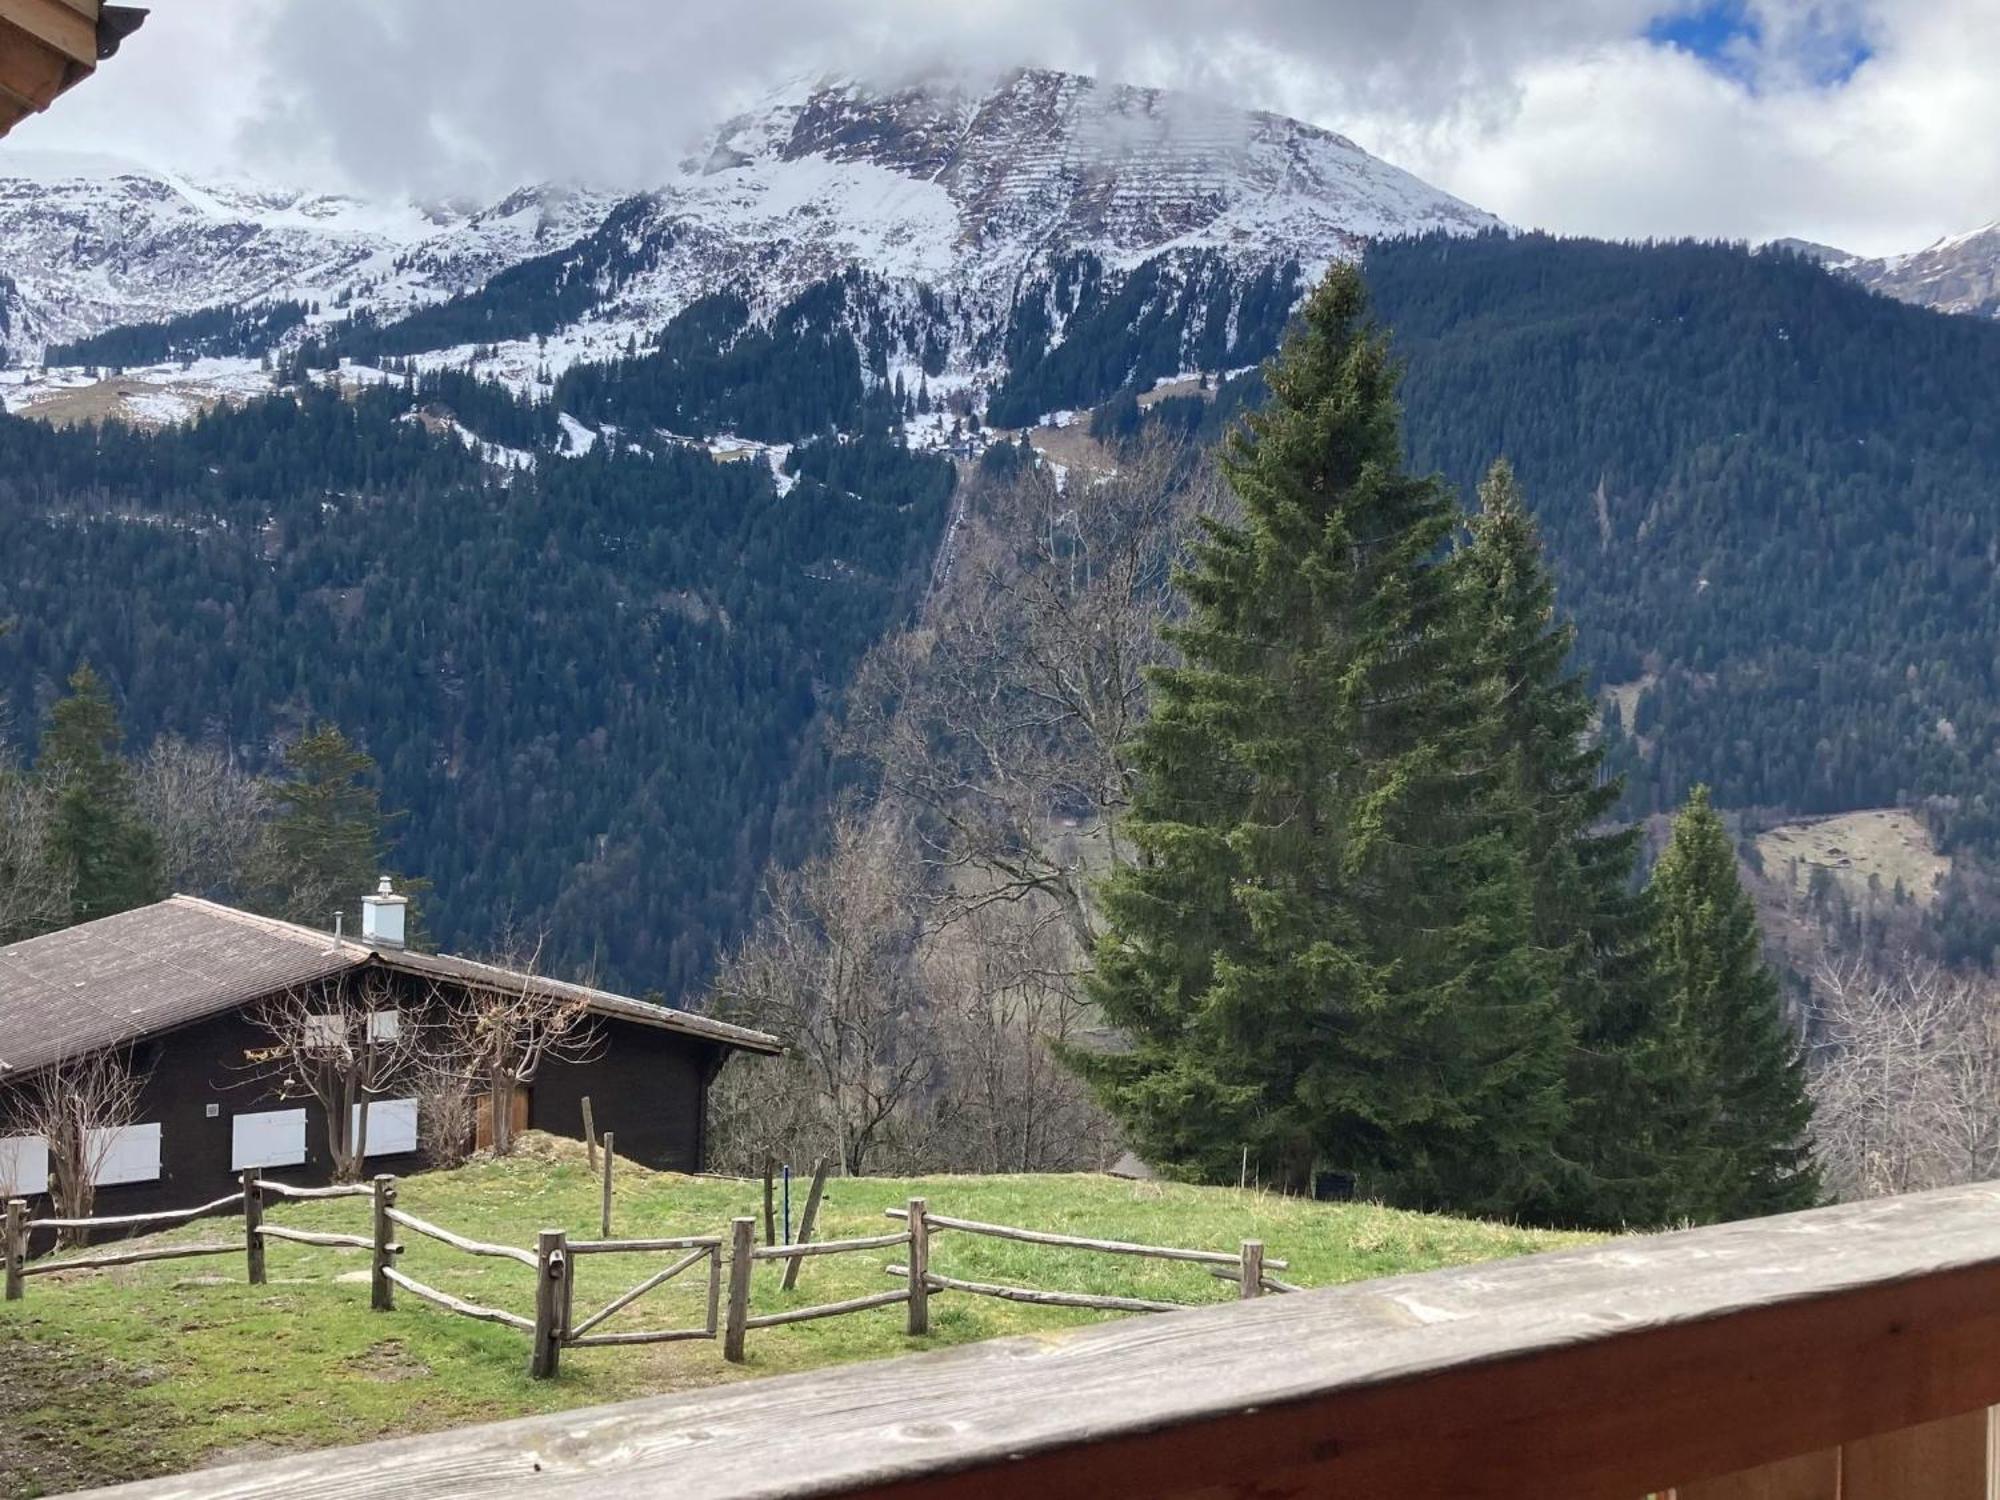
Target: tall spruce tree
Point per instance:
(96, 840)
(1737, 1118)
(1588, 912)
(1324, 953)
(326, 845)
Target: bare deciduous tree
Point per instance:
(446, 1115)
(502, 1032)
(34, 890)
(1003, 986)
(1003, 721)
(831, 970)
(343, 1042)
(206, 812)
(1904, 1065)
(78, 1105)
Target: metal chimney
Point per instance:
(382, 917)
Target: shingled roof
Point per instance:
(150, 970)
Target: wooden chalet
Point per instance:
(50, 46)
(175, 990)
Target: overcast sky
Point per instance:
(1871, 124)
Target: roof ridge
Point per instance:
(324, 942)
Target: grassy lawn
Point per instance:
(156, 1368)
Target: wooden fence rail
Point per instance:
(1247, 1268)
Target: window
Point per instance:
(326, 1031)
(128, 1155)
(392, 1126)
(384, 1025)
(24, 1166)
(272, 1138)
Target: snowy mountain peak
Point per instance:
(958, 186)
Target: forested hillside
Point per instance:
(588, 687)
(1777, 493)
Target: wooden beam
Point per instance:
(61, 28)
(1937, 1461)
(1596, 1374)
(1816, 1476)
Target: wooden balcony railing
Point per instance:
(1851, 1352)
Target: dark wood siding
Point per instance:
(647, 1086)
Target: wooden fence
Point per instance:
(1848, 1353)
(555, 1326)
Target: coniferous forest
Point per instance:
(591, 686)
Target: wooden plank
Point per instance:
(830, 1247)
(381, 1288)
(57, 26)
(29, 72)
(1815, 1476)
(808, 1220)
(338, 1190)
(621, 1247)
(1937, 1461)
(589, 1134)
(14, 1247)
(664, 1336)
(1601, 1373)
(1040, 1298)
(161, 1220)
(128, 1258)
(829, 1309)
(89, 9)
(1077, 1242)
(458, 1305)
(770, 1203)
(459, 1241)
(918, 1215)
(551, 1274)
(604, 1227)
(742, 1241)
(323, 1241)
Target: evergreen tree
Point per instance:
(1587, 913)
(326, 846)
(1323, 954)
(1737, 1117)
(97, 842)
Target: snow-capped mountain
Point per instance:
(962, 189)
(1958, 274)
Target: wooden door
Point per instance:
(482, 1129)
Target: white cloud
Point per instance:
(1550, 112)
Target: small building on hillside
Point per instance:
(189, 999)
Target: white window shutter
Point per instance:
(24, 1166)
(392, 1126)
(132, 1155)
(270, 1138)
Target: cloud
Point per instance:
(1863, 122)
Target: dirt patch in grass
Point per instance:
(68, 1419)
(388, 1360)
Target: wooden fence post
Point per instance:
(1250, 1282)
(743, 1239)
(606, 1226)
(714, 1320)
(253, 1225)
(807, 1220)
(770, 1204)
(14, 1246)
(589, 1133)
(382, 1291)
(920, 1269)
(551, 1271)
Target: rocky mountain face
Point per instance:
(1958, 274)
(957, 188)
